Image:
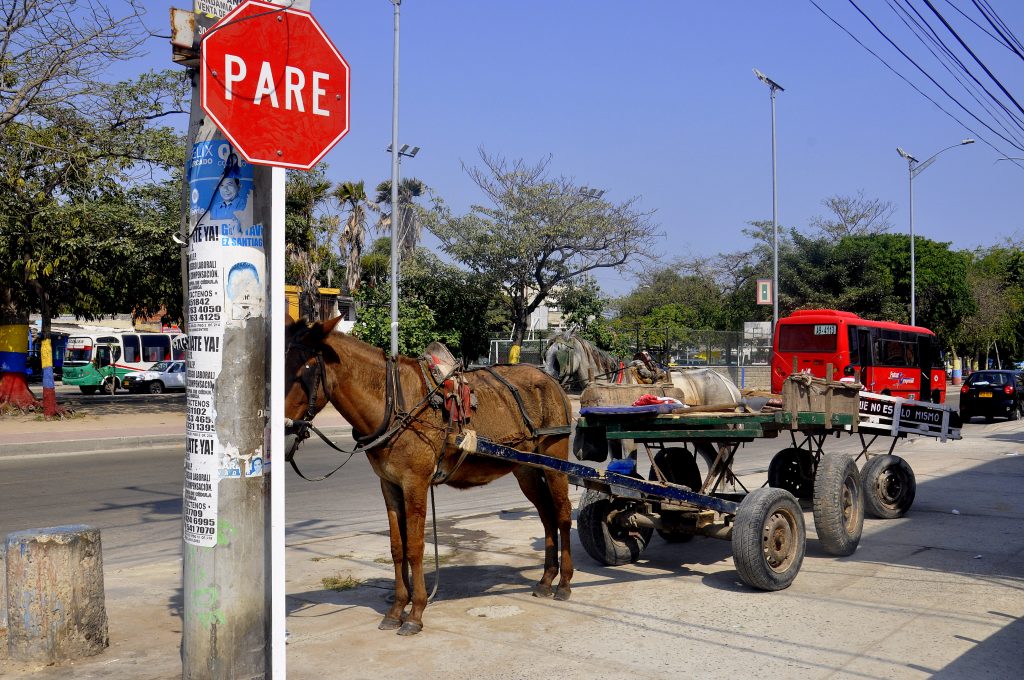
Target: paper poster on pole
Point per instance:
(226, 282)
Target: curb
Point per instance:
(75, 446)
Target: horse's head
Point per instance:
(306, 357)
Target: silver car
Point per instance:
(163, 375)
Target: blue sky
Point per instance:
(658, 99)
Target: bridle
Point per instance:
(314, 378)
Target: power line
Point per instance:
(973, 55)
(924, 32)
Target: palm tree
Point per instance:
(410, 225)
(352, 197)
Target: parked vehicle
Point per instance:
(100, 362)
(163, 375)
(992, 394)
(888, 358)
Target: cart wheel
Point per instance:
(838, 504)
(605, 542)
(792, 469)
(768, 539)
(679, 467)
(889, 486)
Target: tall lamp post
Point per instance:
(915, 168)
(773, 87)
(395, 151)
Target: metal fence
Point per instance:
(675, 346)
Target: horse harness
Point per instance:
(450, 393)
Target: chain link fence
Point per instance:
(673, 346)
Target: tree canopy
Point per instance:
(538, 231)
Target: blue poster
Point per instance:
(220, 182)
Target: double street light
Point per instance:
(916, 168)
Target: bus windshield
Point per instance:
(78, 349)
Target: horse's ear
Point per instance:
(329, 325)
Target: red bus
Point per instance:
(887, 358)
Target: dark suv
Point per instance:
(991, 394)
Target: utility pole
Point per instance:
(395, 208)
(225, 570)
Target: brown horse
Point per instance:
(412, 444)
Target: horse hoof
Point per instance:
(410, 628)
(389, 624)
(563, 594)
(541, 590)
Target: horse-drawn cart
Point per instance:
(692, 490)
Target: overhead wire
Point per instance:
(974, 56)
(981, 137)
(997, 22)
(999, 40)
(917, 89)
(924, 32)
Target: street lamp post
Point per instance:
(915, 168)
(773, 87)
(395, 152)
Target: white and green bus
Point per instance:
(99, 361)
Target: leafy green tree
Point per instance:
(439, 300)
(538, 233)
(67, 195)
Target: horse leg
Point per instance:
(532, 482)
(415, 523)
(395, 503)
(558, 489)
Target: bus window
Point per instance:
(179, 349)
(107, 355)
(156, 348)
(132, 349)
(808, 337)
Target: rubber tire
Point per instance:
(109, 386)
(155, 387)
(786, 471)
(87, 389)
(1015, 412)
(889, 486)
(612, 548)
(679, 467)
(965, 417)
(777, 513)
(838, 504)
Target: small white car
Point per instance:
(163, 375)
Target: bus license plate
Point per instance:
(985, 395)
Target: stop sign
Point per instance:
(275, 85)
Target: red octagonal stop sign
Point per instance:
(275, 85)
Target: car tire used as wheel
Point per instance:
(889, 486)
(155, 387)
(603, 541)
(838, 504)
(792, 469)
(109, 386)
(679, 467)
(768, 539)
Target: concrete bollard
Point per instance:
(55, 603)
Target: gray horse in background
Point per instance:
(576, 362)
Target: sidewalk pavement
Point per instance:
(937, 593)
